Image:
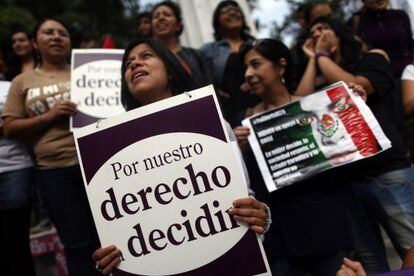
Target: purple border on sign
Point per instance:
(244, 258)
(83, 58)
(403, 272)
(81, 119)
(95, 149)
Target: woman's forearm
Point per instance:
(25, 128)
(408, 96)
(334, 73)
(307, 83)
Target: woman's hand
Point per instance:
(309, 48)
(223, 94)
(326, 42)
(250, 211)
(107, 259)
(59, 110)
(358, 89)
(351, 268)
(242, 133)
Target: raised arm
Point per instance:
(332, 71)
(307, 82)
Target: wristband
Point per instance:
(322, 53)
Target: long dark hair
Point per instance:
(177, 13)
(351, 49)
(272, 50)
(218, 35)
(15, 62)
(179, 80)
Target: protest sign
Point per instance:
(321, 131)
(4, 91)
(95, 85)
(402, 272)
(160, 180)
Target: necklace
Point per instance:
(267, 106)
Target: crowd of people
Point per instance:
(325, 225)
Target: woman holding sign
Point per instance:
(38, 110)
(152, 73)
(383, 184)
(304, 238)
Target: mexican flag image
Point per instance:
(324, 130)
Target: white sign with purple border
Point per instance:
(160, 180)
(95, 85)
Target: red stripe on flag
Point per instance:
(354, 122)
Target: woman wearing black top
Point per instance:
(383, 184)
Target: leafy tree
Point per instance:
(116, 17)
(342, 9)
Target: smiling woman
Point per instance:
(23, 58)
(38, 110)
(152, 73)
(305, 240)
(230, 31)
(167, 27)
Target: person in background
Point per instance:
(305, 14)
(384, 184)
(3, 67)
(407, 84)
(354, 268)
(144, 24)
(386, 29)
(167, 26)
(89, 40)
(23, 58)
(407, 88)
(37, 109)
(320, 8)
(166, 78)
(303, 238)
(16, 185)
(230, 31)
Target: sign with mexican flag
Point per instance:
(324, 130)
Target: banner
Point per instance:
(160, 180)
(321, 131)
(95, 85)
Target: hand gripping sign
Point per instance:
(95, 85)
(160, 180)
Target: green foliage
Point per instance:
(341, 10)
(100, 17)
(11, 16)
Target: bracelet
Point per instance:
(322, 53)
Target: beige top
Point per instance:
(34, 93)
